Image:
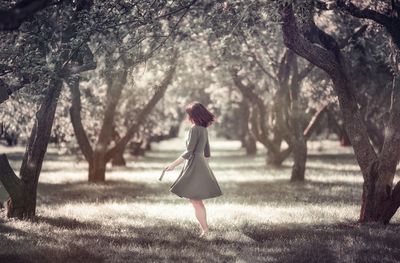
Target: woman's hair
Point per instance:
(199, 114)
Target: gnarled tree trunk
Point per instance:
(379, 200)
(22, 190)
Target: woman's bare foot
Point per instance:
(204, 233)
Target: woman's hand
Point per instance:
(169, 167)
(174, 164)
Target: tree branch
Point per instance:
(304, 73)
(390, 23)
(247, 91)
(314, 121)
(367, 13)
(159, 92)
(6, 90)
(76, 69)
(11, 19)
(76, 119)
(357, 33)
(258, 62)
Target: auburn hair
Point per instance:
(199, 114)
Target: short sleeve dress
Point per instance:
(196, 180)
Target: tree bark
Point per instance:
(298, 138)
(299, 160)
(97, 167)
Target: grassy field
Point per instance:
(261, 217)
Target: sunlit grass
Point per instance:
(260, 218)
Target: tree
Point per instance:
(380, 199)
(250, 51)
(46, 52)
(384, 12)
(277, 116)
(22, 189)
(99, 155)
(12, 17)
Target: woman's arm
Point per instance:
(188, 152)
(175, 163)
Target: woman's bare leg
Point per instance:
(201, 214)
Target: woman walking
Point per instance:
(196, 180)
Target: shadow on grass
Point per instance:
(279, 192)
(341, 158)
(163, 242)
(92, 193)
(71, 253)
(18, 246)
(160, 243)
(67, 223)
(284, 192)
(329, 243)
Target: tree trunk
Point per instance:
(173, 131)
(98, 161)
(135, 148)
(379, 199)
(250, 144)
(298, 138)
(146, 144)
(22, 191)
(272, 160)
(243, 141)
(248, 140)
(299, 160)
(382, 192)
(344, 139)
(118, 159)
(76, 118)
(276, 158)
(97, 167)
(11, 139)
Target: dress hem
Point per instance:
(202, 198)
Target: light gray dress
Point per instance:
(196, 180)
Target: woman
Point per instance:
(196, 180)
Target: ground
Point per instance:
(261, 217)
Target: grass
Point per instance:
(260, 218)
